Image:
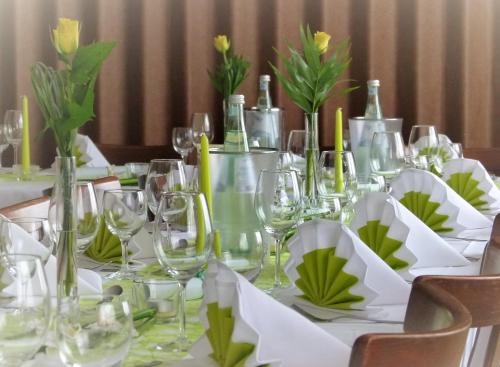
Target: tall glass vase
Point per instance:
(64, 199)
(312, 155)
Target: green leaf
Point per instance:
(324, 282)
(420, 205)
(467, 187)
(88, 61)
(374, 235)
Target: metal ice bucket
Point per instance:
(234, 178)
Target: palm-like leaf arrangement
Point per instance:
(309, 80)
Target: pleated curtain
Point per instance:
(438, 61)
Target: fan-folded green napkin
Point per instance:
(226, 352)
(425, 209)
(106, 246)
(467, 187)
(324, 282)
(374, 235)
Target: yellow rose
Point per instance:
(321, 39)
(221, 43)
(66, 36)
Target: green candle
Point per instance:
(339, 147)
(25, 160)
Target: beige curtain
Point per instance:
(438, 60)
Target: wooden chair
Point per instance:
(38, 207)
(436, 327)
(121, 154)
(489, 157)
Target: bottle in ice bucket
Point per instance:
(373, 110)
(236, 135)
(264, 101)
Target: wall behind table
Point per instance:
(438, 60)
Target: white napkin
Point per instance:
(377, 282)
(89, 152)
(479, 178)
(281, 336)
(461, 215)
(421, 246)
(89, 282)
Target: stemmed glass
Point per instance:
(3, 142)
(125, 215)
(164, 175)
(277, 203)
(182, 241)
(24, 308)
(13, 125)
(94, 332)
(182, 140)
(423, 145)
(296, 146)
(34, 227)
(387, 155)
(202, 124)
(87, 215)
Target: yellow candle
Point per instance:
(339, 147)
(25, 160)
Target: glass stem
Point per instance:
(387, 185)
(277, 264)
(125, 267)
(17, 170)
(182, 311)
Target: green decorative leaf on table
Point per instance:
(374, 235)
(225, 352)
(106, 246)
(420, 205)
(467, 187)
(324, 282)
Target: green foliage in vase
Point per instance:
(374, 235)
(467, 187)
(233, 70)
(420, 205)
(309, 80)
(324, 282)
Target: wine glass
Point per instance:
(13, 128)
(164, 175)
(457, 147)
(182, 139)
(296, 146)
(3, 142)
(182, 241)
(284, 160)
(423, 146)
(202, 124)
(24, 308)
(34, 227)
(87, 215)
(277, 204)
(387, 155)
(125, 215)
(336, 175)
(94, 332)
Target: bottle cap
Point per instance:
(373, 83)
(265, 78)
(237, 99)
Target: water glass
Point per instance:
(137, 169)
(87, 215)
(387, 155)
(162, 295)
(24, 308)
(13, 128)
(164, 175)
(3, 142)
(201, 123)
(423, 145)
(94, 332)
(182, 240)
(277, 204)
(125, 215)
(336, 175)
(296, 146)
(182, 140)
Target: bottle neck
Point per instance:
(264, 100)
(235, 138)
(373, 109)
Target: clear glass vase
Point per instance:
(65, 227)
(312, 156)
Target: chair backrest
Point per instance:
(103, 184)
(436, 327)
(121, 154)
(489, 157)
(38, 207)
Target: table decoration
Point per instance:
(13, 127)
(387, 155)
(25, 145)
(106, 246)
(66, 99)
(339, 148)
(87, 153)
(395, 234)
(308, 82)
(435, 203)
(469, 179)
(228, 75)
(423, 144)
(243, 326)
